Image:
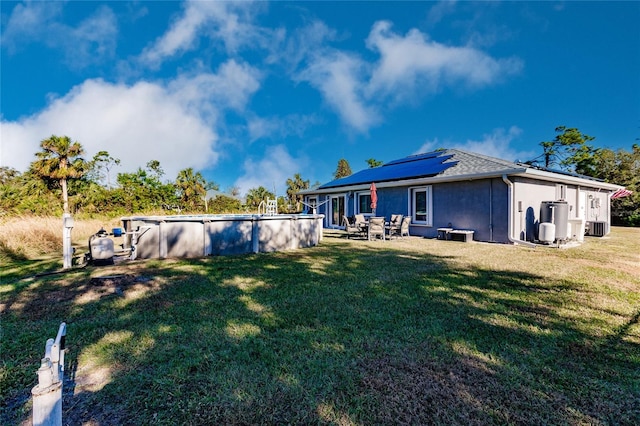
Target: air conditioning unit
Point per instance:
(597, 229)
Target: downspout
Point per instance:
(491, 210)
(510, 216)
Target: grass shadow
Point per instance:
(344, 333)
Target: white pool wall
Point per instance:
(214, 235)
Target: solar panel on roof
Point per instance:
(426, 165)
(416, 157)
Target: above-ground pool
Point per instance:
(213, 235)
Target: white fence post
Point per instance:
(47, 394)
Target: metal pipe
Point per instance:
(59, 344)
(510, 216)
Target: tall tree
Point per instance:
(294, 186)
(343, 169)
(143, 189)
(60, 161)
(374, 163)
(191, 189)
(101, 166)
(132, 190)
(622, 168)
(569, 150)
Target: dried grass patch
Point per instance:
(29, 237)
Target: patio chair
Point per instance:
(394, 225)
(376, 227)
(361, 221)
(351, 228)
(404, 226)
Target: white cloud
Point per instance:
(413, 64)
(29, 21)
(440, 10)
(93, 40)
(229, 22)
(135, 123)
(274, 168)
(93, 37)
(206, 93)
(173, 123)
(495, 144)
(260, 127)
(339, 77)
(409, 67)
(279, 127)
(305, 42)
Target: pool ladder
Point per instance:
(270, 207)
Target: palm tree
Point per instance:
(60, 160)
(191, 187)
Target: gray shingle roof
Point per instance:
(470, 163)
(451, 162)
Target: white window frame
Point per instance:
(429, 206)
(356, 200)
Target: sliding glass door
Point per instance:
(337, 210)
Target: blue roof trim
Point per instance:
(415, 166)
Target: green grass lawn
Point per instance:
(411, 331)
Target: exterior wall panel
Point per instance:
(528, 195)
(478, 205)
(184, 239)
(229, 237)
(500, 211)
(392, 201)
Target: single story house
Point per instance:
(501, 201)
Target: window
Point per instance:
(364, 203)
(420, 199)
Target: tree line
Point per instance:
(573, 151)
(60, 172)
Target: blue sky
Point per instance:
(250, 93)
